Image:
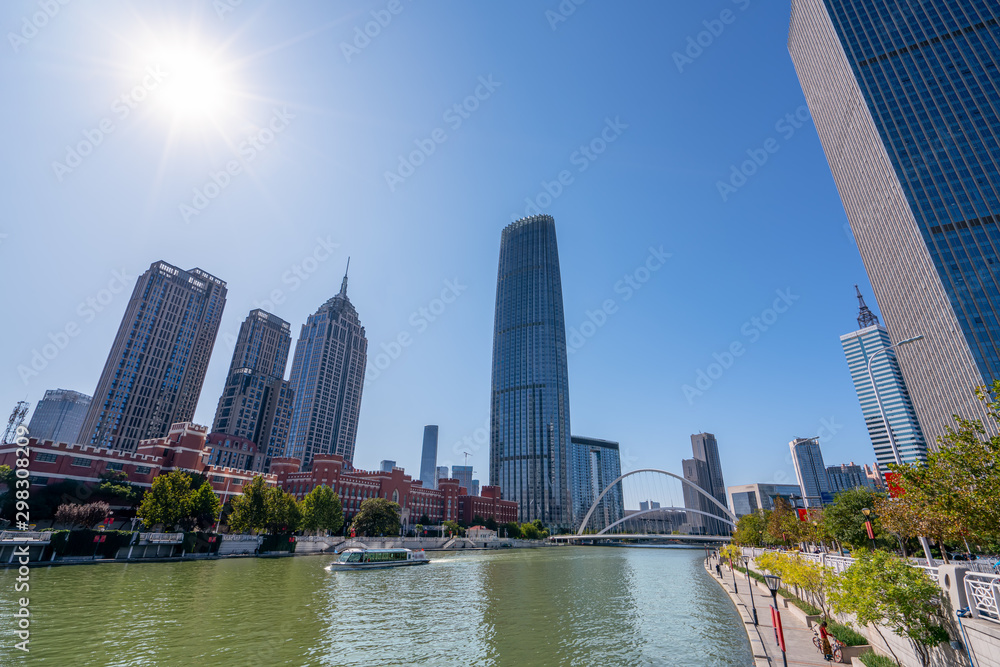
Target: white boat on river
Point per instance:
(376, 559)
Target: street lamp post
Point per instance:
(773, 584)
(885, 422)
(733, 570)
(753, 605)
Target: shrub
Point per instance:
(197, 543)
(807, 608)
(872, 659)
(846, 634)
(81, 542)
(279, 542)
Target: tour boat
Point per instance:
(370, 559)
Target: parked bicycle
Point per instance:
(836, 645)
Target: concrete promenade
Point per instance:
(798, 637)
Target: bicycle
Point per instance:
(836, 645)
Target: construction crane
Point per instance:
(15, 421)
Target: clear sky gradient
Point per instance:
(590, 117)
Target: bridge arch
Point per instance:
(706, 494)
(662, 509)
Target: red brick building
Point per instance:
(186, 447)
(354, 486)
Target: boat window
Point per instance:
(355, 558)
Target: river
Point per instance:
(551, 606)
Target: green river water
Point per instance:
(552, 606)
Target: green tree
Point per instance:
(455, 528)
(322, 510)
(249, 509)
(511, 530)
(844, 520)
(283, 513)
(377, 516)
(529, 531)
(203, 506)
(168, 501)
(750, 530)
(116, 488)
(7, 478)
(491, 524)
(880, 589)
(783, 525)
(425, 520)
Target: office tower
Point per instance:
(847, 476)
(153, 375)
(749, 498)
(810, 471)
(256, 402)
(428, 456)
(876, 480)
(386, 465)
(464, 476)
(597, 463)
(905, 98)
(872, 340)
(328, 373)
(529, 412)
(59, 416)
(705, 449)
(474, 489)
(440, 472)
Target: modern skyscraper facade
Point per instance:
(860, 346)
(154, 373)
(705, 470)
(905, 98)
(810, 471)
(328, 373)
(256, 402)
(749, 498)
(428, 456)
(440, 472)
(464, 476)
(59, 416)
(847, 476)
(529, 415)
(596, 464)
(386, 465)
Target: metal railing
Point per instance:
(241, 538)
(25, 535)
(166, 538)
(983, 591)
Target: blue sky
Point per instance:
(314, 114)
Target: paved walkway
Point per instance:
(798, 638)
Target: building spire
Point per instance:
(343, 285)
(866, 317)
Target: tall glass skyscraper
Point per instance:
(154, 373)
(59, 416)
(859, 347)
(428, 457)
(705, 470)
(597, 463)
(906, 99)
(328, 374)
(530, 456)
(256, 402)
(811, 472)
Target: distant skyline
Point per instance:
(626, 145)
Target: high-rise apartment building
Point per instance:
(906, 101)
(386, 465)
(154, 373)
(256, 402)
(705, 471)
(428, 456)
(328, 373)
(870, 344)
(749, 498)
(440, 472)
(810, 471)
(464, 476)
(848, 476)
(530, 456)
(59, 416)
(596, 464)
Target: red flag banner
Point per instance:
(803, 515)
(868, 527)
(778, 630)
(892, 481)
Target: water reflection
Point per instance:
(558, 606)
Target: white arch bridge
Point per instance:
(652, 505)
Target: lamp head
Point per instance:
(773, 582)
(866, 512)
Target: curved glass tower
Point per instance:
(530, 450)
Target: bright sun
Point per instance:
(194, 85)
